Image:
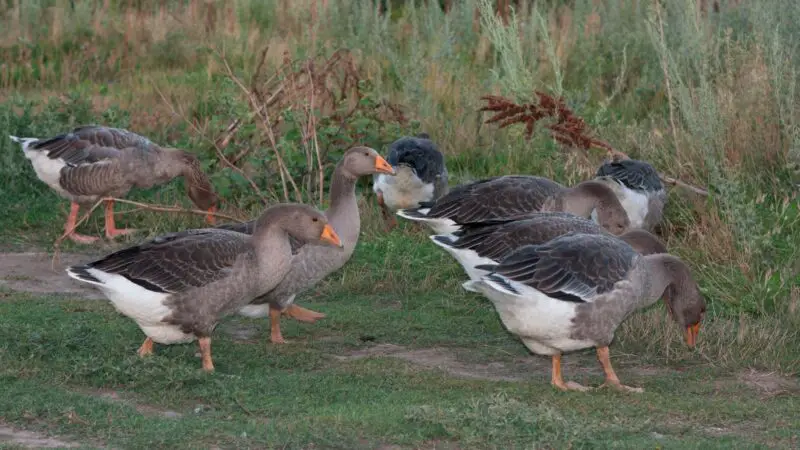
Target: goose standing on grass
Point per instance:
(573, 292)
(313, 263)
(512, 196)
(421, 176)
(177, 286)
(93, 162)
(639, 189)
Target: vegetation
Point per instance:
(270, 92)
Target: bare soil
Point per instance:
(30, 439)
(40, 273)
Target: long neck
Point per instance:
(343, 210)
(270, 238)
(663, 270)
(588, 196)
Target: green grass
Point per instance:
(712, 101)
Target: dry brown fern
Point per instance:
(565, 127)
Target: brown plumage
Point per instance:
(177, 286)
(93, 162)
(313, 263)
(513, 196)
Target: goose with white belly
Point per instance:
(572, 293)
(513, 196)
(177, 286)
(420, 176)
(93, 162)
(639, 189)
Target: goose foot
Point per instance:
(275, 335)
(303, 314)
(611, 377)
(558, 382)
(146, 349)
(69, 227)
(111, 230)
(111, 234)
(205, 352)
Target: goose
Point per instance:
(573, 291)
(421, 176)
(639, 189)
(92, 162)
(313, 263)
(177, 286)
(490, 241)
(511, 196)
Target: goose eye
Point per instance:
(314, 219)
(366, 153)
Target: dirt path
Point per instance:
(36, 272)
(29, 439)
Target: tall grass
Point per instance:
(708, 97)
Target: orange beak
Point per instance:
(382, 166)
(210, 216)
(330, 236)
(691, 334)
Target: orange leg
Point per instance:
(275, 326)
(146, 349)
(611, 376)
(111, 230)
(69, 227)
(302, 314)
(557, 381)
(205, 353)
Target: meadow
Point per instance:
(269, 93)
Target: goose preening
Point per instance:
(177, 286)
(513, 196)
(421, 176)
(639, 189)
(313, 263)
(572, 293)
(490, 241)
(93, 162)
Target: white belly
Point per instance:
(48, 170)
(403, 190)
(543, 324)
(636, 204)
(468, 260)
(145, 307)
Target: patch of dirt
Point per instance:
(144, 409)
(30, 439)
(581, 367)
(768, 384)
(36, 272)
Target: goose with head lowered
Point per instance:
(639, 189)
(572, 293)
(313, 263)
(93, 162)
(178, 286)
(512, 196)
(421, 176)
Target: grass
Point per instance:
(709, 98)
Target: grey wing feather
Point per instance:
(634, 174)
(497, 239)
(175, 262)
(574, 267)
(498, 197)
(112, 137)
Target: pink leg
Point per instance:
(69, 227)
(111, 230)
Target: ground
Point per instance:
(427, 372)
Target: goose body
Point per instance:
(177, 286)
(93, 162)
(311, 264)
(573, 291)
(488, 242)
(639, 189)
(420, 174)
(514, 196)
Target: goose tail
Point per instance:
(25, 142)
(81, 273)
